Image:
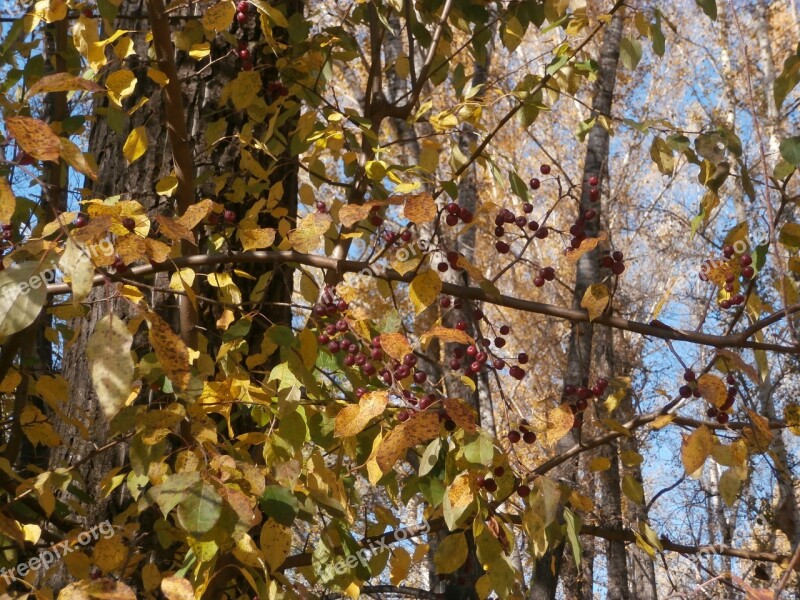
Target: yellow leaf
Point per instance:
(219, 17)
(395, 345)
(559, 422)
(630, 458)
(109, 554)
(37, 428)
(632, 489)
(595, 300)
(581, 502)
(712, 389)
(107, 589)
(587, 245)
(424, 290)
(421, 427)
(272, 12)
(198, 51)
(174, 229)
(244, 89)
(758, 437)
(136, 145)
(276, 543)
(309, 233)
(662, 421)
(177, 588)
(35, 137)
(157, 251)
(451, 553)
(120, 84)
(445, 334)
(8, 201)
(420, 208)
(695, 449)
(792, 417)
(108, 352)
(308, 348)
(167, 185)
(62, 82)
(75, 158)
(353, 418)
(599, 463)
(399, 565)
(255, 238)
(158, 76)
(350, 214)
(729, 485)
(172, 353)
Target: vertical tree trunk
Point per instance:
(548, 568)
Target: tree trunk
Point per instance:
(548, 568)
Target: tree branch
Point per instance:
(465, 292)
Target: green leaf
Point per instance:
(709, 7)
(657, 36)
(630, 52)
(23, 293)
(790, 150)
(200, 510)
(280, 504)
(451, 553)
(788, 79)
(790, 235)
(573, 529)
(518, 186)
(430, 457)
(174, 489)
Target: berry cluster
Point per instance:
(614, 261)
(594, 191)
(456, 213)
(244, 52)
(522, 433)
(745, 268)
(242, 8)
(489, 482)
(544, 274)
(690, 389)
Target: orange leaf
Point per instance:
(587, 245)
(461, 413)
(421, 427)
(420, 208)
(395, 345)
(35, 137)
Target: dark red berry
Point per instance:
(529, 437)
(685, 391)
(241, 17)
(514, 436)
(535, 183)
(505, 329)
(461, 326)
(81, 221)
(617, 268)
(502, 247)
(748, 272)
(453, 209)
(451, 220)
(406, 235)
(490, 485)
(523, 491)
(722, 418)
(450, 425)
(593, 181)
(545, 169)
(522, 358)
(499, 471)
(444, 302)
(229, 216)
(527, 208)
(688, 375)
(594, 194)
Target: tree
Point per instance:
(308, 327)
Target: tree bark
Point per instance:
(548, 568)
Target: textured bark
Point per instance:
(461, 584)
(548, 568)
(609, 482)
(201, 92)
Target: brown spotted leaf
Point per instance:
(309, 233)
(172, 353)
(196, 213)
(395, 345)
(420, 208)
(35, 137)
(275, 542)
(461, 413)
(421, 427)
(63, 82)
(131, 248)
(174, 229)
(98, 589)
